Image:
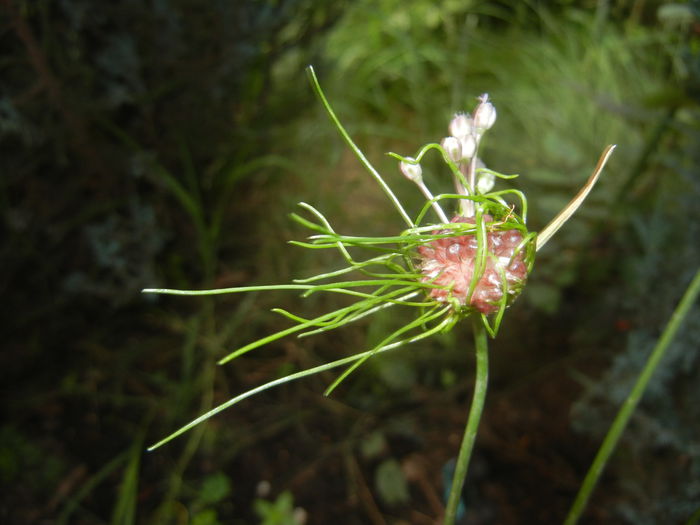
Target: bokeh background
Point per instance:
(164, 143)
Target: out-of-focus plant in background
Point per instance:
(176, 135)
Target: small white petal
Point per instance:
(468, 146)
(485, 182)
(453, 148)
(484, 115)
(461, 125)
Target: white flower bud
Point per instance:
(461, 125)
(485, 182)
(453, 148)
(411, 171)
(484, 114)
(468, 146)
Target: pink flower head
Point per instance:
(449, 263)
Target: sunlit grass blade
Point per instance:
(124, 511)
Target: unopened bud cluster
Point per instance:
(461, 147)
(467, 129)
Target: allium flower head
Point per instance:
(452, 263)
(441, 269)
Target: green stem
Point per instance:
(625, 412)
(358, 153)
(465, 449)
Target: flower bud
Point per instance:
(453, 148)
(468, 144)
(411, 171)
(484, 114)
(461, 125)
(485, 182)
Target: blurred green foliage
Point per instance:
(162, 142)
(278, 512)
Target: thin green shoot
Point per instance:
(299, 375)
(358, 153)
(420, 321)
(627, 409)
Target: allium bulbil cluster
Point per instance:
(450, 263)
(473, 272)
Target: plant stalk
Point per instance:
(627, 409)
(358, 153)
(465, 449)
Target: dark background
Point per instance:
(164, 142)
